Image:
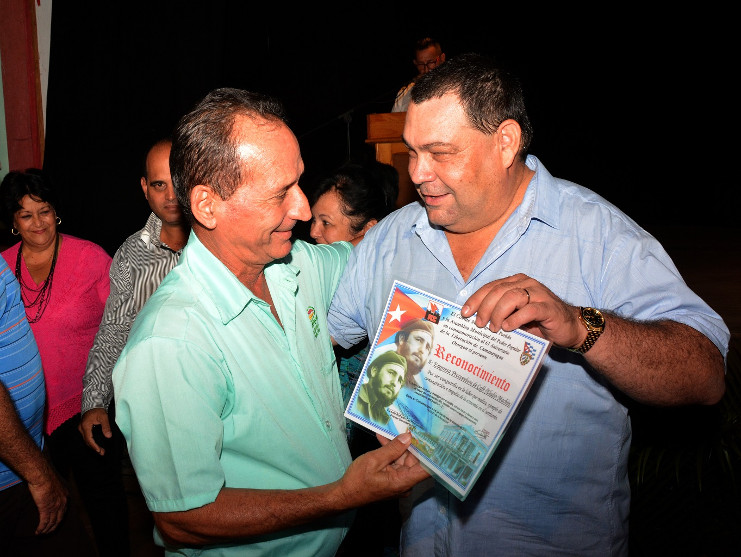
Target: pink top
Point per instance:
(67, 328)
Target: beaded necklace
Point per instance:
(43, 292)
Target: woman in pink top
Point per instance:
(64, 285)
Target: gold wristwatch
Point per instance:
(594, 321)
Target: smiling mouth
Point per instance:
(433, 199)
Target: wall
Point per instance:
(43, 9)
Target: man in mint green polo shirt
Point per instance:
(227, 390)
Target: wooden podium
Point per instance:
(384, 131)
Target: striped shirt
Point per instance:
(20, 365)
(138, 268)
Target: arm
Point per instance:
(118, 316)
(179, 460)
(19, 452)
(385, 473)
(658, 362)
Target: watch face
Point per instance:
(593, 317)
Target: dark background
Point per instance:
(626, 103)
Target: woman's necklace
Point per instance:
(43, 292)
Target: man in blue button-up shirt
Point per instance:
(496, 233)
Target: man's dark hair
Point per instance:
(204, 149)
(488, 92)
(426, 42)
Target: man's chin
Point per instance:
(386, 401)
(281, 247)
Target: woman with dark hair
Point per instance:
(64, 286)
(349, 202)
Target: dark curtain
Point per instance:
(122, 73)
(607, 100)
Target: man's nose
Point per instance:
(300, 209)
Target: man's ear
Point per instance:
(144, 188)
(510, 136)
(202, 204)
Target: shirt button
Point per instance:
(464, 292)
(328, 424)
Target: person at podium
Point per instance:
(428, 54)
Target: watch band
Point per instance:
(592, 337)
(593, 332)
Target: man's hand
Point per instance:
(239, 513)
(93, 417)
(406, 459)
(521, 302)
(658, 362)
(385, 473)
(50, 497)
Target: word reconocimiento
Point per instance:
(475, 370)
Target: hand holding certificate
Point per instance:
(455, 386)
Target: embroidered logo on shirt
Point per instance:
(313, 320)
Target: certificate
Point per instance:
(454, 385)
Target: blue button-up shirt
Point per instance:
(558, 482)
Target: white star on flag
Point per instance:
(396, 314)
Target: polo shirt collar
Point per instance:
(229, 295)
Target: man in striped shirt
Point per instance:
(138, 267)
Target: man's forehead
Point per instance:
(249, 151)
(162, 149)
(268, 147)
(427, 54)
(396, 368)
(420, 334)
(435, 121)
(159, 154)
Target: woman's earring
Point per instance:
(59, 221)
(14, 232)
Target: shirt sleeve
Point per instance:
(118, 316)
(327, 260)
(155, 380)
(346, 318)
(656, 288)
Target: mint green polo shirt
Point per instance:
(212, 392)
